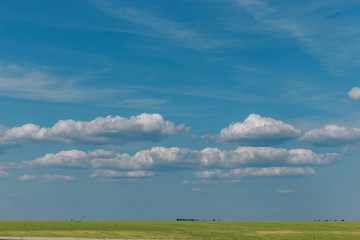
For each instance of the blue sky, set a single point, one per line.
(225, 109)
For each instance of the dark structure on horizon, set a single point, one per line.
(186, 219)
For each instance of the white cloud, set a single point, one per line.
(241, 162)
(162, 159)
(308, 157)
(71, 158)
(257, 156)
(354, 93)
(4, 143)
(155, 157)
(256, 172)
(331, 135)
(257, 130)
(108, 130)
(46, 178)
(100, 158)
(103, 173)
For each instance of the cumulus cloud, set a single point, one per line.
(308, 157)
(263, 156)
(71, 158)
(331, 135)
(108, 130)
(354, 93)
(256, 172)
(4, 143)
(241, 162)
(162, 159)
(159, 157)
(257, 130)
(46, 178)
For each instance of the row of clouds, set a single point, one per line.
(238, 163)
(261, 131)
(165, 158)
(255, 158)
(207, 176)
(255, 130)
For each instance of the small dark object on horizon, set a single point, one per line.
(186, 219)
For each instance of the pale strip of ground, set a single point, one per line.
(61, 238)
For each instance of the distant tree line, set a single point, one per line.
(342, 220)
(186, 219)
(192, 219)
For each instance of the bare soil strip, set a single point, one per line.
(60, 238)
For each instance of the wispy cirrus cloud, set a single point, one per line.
(317, 26)
(4, 174)
(156, 26)
(40, 84)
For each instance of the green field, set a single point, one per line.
(183, 230)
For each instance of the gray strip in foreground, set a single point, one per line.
(60, 238)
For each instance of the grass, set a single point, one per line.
(183, 230)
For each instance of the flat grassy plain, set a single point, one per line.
(183, 230)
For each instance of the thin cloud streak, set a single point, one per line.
(46, 178)
(163, 28)
(311, 25)
(37, 84)
(209, 93)
(256, 172)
